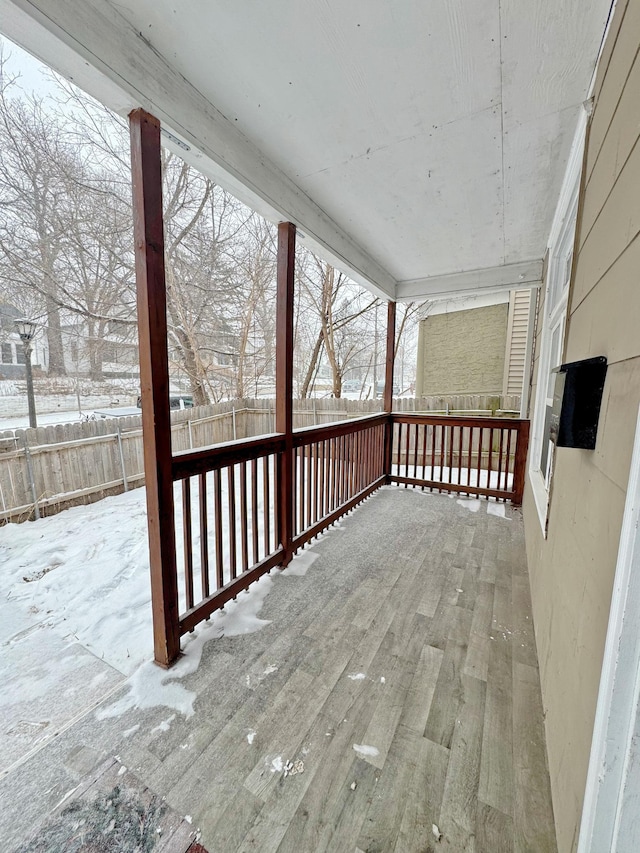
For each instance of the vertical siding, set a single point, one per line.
(572, 570)
(516, 341)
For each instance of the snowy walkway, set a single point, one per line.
(385, 683)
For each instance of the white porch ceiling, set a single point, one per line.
(411, 141)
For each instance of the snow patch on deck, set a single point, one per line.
(300, 565)
(364, 750)
(472, 504)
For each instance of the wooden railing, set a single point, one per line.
(228, 508)
(234, 486)
(472, 456)
(335, 467)
(228, 512)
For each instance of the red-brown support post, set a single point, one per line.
(388, 386)
(520, 463)
(146, 173)
(284, 382)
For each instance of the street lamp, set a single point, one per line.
(27, 329)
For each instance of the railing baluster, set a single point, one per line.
(347, 468)
(432, 474)
(459, 455)
(365, 472)
(480, 448)
(316, 481)
(406, 436)
(353, 440)
(507, 454)
(489, 461)
(499, 478)
(188, 542)
(323, 460)
(266, 509)
(243, 516)
(254, 510)
(217, 498)
(300, 463)
(343, 470)
(309, 484)
(231, 507)
(204, 536)
(294, 490)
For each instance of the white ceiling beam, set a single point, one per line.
(472, 282)
(92, 44)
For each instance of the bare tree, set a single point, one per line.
(34, 169)
(337, 306)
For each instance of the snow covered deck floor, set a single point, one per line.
(396, 679)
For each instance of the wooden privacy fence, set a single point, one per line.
(231, 501)
(50, 468)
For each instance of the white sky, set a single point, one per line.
(33, 74)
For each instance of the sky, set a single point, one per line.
(33, 74)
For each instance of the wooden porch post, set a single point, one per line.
(146, 174)
(520, 463)
(284, 382)
(388, 385)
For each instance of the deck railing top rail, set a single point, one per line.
(305, 435)
(190, 462)
(458, 420)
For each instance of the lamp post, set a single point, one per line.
(27, 329)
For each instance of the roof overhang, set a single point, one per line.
(418, 147)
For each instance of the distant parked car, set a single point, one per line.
(351, 385)
(176, 401)
(380, 389)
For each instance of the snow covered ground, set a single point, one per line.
(51, 412)
(75, 621)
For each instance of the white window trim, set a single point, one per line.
(560, 241)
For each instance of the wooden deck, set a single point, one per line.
(398, 676)
(430, 602)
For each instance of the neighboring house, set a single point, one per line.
(11, 347)
(112, 354)
(475, 345)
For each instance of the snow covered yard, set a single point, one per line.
(75, 621)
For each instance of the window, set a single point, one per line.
(553, 320)
(6, 356)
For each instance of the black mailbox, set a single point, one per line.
(579, 402)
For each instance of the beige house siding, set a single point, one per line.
(572, 570)
(462, 352)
